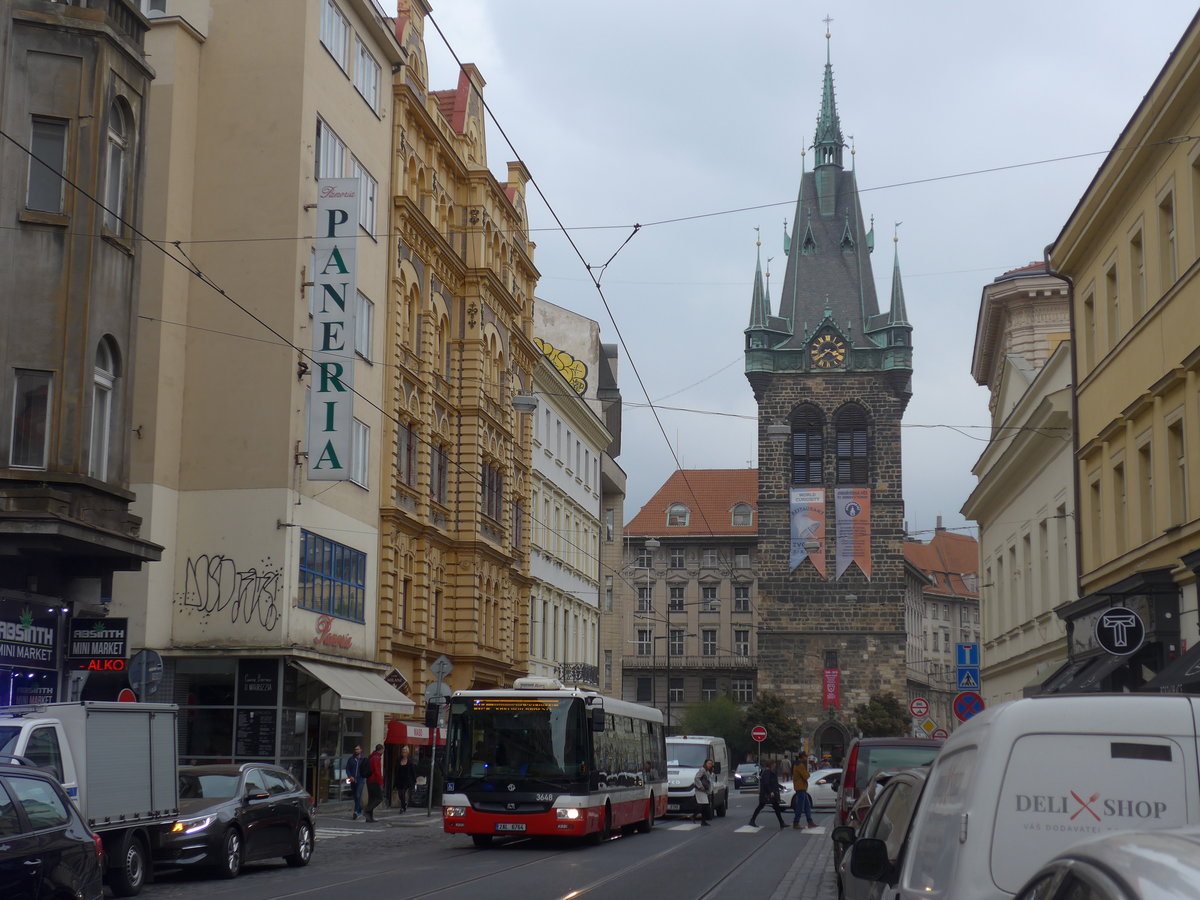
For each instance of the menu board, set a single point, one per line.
(255, 733)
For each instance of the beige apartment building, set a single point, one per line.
(1131, 250)
(1024, 501)
(262, 613)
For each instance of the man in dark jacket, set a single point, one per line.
(768, 792)
(357, 767)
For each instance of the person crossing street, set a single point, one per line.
(768, 793)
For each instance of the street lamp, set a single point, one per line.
(650, 546)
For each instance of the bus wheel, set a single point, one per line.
(647, 823)
(482, 840)
(605, 832)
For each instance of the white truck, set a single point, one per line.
(118, 761)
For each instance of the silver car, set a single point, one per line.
(1123, 865)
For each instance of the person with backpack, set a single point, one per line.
(703, 785)
(768, 793)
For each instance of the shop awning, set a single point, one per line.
(413, 734)
(1088, 679)
(1180, 676)
(359, 689)
(1065, 674)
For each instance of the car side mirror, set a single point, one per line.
(843, 835)
(869, 860)
(257, 795)
(597, 718)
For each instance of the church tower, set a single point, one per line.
(832, 376)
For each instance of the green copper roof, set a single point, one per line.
(828, 140)
(760, 303)
(899, 315)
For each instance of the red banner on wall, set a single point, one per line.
(833, 689)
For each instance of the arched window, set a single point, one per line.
(104, 377)
(851, 425)
(743, 515)
(808, 446)
(116, 166)
(678, 515)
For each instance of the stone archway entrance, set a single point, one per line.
(830, 743)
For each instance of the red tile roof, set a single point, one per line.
(709, 495)
(951, 559)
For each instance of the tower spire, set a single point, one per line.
(760, 303)
(828, 142)
(899, 314)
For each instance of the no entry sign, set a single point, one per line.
(759, 733)
(919, 707)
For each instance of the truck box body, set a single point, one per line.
(120, 760)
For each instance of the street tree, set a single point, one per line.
(720, 717)
(770, 710)
(882, 716)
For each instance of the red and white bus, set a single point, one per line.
(541, 759)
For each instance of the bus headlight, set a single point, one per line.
(454, 812)
(568, 813)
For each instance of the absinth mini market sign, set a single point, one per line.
(335, 287)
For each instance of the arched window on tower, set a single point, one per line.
(104, 376)
(852, 458)
(808, 446)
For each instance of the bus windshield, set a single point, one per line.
(537, 738)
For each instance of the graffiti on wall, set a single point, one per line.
(214, 585)
(572, 369)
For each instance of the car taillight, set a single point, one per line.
(99, 847)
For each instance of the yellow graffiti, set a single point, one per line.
(568, 366)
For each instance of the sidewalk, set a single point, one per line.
(334, 810)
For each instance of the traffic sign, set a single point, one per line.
(919, 707)
(967, 704)
(928, 726)
(759, 733)
(126, 696)
(940, 734)
(441, 667)
(437, 692)
(968, 654)
(968, 678)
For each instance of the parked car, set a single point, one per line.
(823, 787)
(234, 814)
(1125, 865)
(746, 776)
(867, 756)
(46, 849)
(872, 856)
(860, 809)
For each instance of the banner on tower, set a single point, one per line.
(831, 695)
(807, 508)
(853, 518)
(335, 294)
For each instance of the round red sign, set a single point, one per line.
(919, 707)
(940, 734)
(759, 733)
(126, 696)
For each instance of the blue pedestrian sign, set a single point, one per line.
(968, 678)
(968, 654)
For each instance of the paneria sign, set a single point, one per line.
(335, 287)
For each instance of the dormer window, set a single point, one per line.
(743, 515)
(678, 515)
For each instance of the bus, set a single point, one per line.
(542, 759)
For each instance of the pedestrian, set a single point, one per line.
(703, 785)
(374, 782)
(356, 776)
(406, 777)
(768, 792)
(802, 802)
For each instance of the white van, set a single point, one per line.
(1026, 780)
(686, 754)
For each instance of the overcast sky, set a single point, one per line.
(640, 111)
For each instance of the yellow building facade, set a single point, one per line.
(1132, 250)
(455, 516)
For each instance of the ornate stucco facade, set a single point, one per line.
(455, 527)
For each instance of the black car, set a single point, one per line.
(234, 814)
(46, 849)
(746, 776)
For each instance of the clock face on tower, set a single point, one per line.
(828, 352)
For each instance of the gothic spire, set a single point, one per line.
(899, 315)
(760, 303)
(828, 142)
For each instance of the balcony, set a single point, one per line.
(579, 673)
(724, 661)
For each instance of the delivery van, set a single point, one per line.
(1023, 781)
(686, 754)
